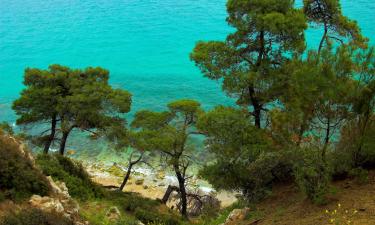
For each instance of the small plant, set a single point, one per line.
(340, 216)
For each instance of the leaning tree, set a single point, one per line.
(168, 133)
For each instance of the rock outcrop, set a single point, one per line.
(236, 216)
(59, 201)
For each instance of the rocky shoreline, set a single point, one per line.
(149, 183)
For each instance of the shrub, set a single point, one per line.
(255, 179)
(72, 173)
(34, 217)
(150, 217)
(19, 179)
(361, 175)
(312, 175)
(355, 149)
(130, 201)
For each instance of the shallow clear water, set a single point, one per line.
(144, 43)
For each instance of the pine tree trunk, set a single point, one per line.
(257, 115)
(126, 177)
(168, 193)
(51, 136)
(182, 190)
(326, 140)
(323, 38)
(63, 142)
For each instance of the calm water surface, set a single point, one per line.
(144, 43)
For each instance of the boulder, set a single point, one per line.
(59, 201)
(46, 204)
(59, 188)
(160, 175)
(139, 181)
(236, 216)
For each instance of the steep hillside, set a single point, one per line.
(350, 203)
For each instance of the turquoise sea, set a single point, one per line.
(144, 43)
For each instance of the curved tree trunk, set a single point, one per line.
(182, 190)
(63, 142)
(131, 164)
(362, 136)
(168, 193)
(51, 136)
(326, 140)
(323, 38)
(126, 177)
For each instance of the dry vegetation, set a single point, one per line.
(287, 206)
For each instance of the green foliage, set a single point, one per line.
(168, 133)
(72, 99)
(313, 175)
(133, 208)
(298, 100)
(19, 179)
(5, 127)
(33, 216)
(72, 173)
(149, 217)
(328, 14)
(130, 202)
(360, 174)
(244, 157)
(249, 60)
(222, 214)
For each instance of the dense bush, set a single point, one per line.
(254, 180)
(72, 173)
(361, 175)
(144, 209)
(313, 175)
(18, 177)
(34, 217)
(130, 202)
(151, 217)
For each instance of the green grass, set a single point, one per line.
(132, 208)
